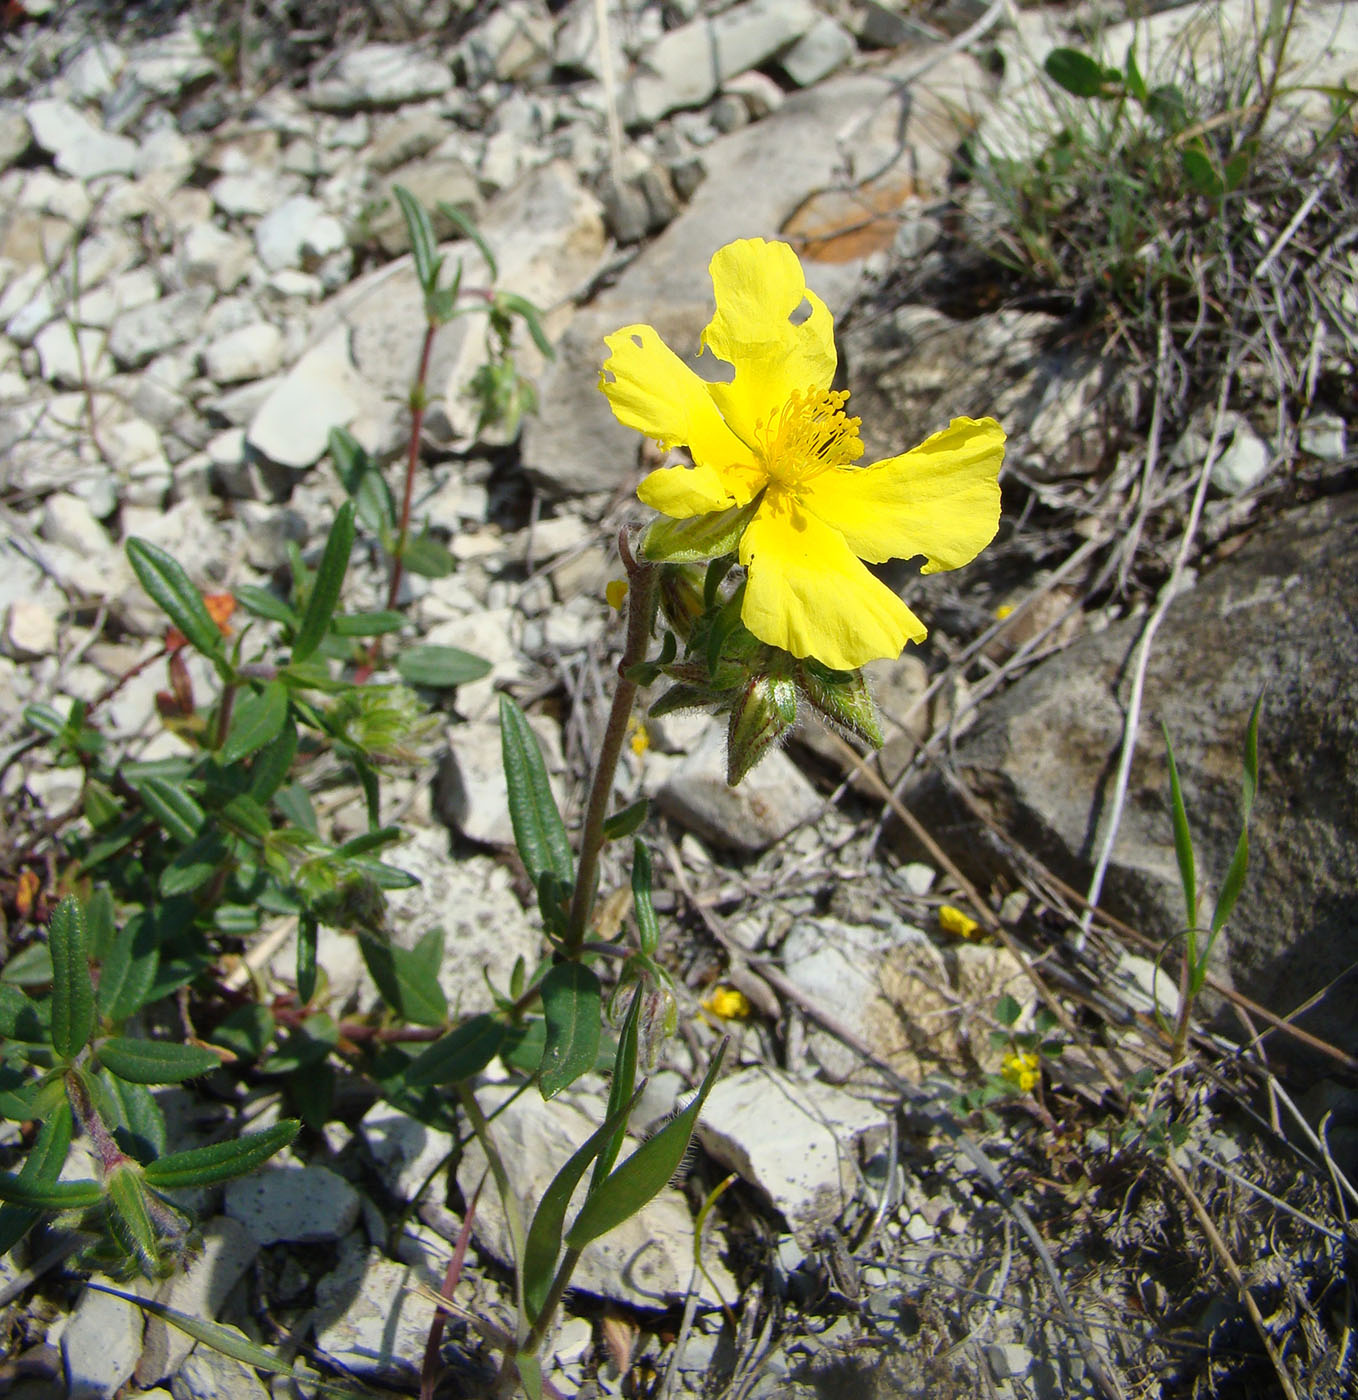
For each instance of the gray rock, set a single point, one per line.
(213, 257)
(68, 520)
(646, 1261)
(513, 43)
(772, 800)
(797, 1141)
(1277, 617)
(30, 630)
(78, 146)
(369, 1320)
(139, 335)
(1244, 462)
(101, 1343)
(170, 62)
(471, 795)
(298, 228)
(211, 1375)
(380, 75)
(404, 1150)
(301, 1205)
(826, 46)
(250, 352)
(245, 193)
(441, 178)
(322, 391)
(1324, 435)
(70, 358)
(687, 65)
(15, 137)
(405, 137)
(199, 1290)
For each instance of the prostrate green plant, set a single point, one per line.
(67, 1067)
(1021, 1071)
(1199, 941)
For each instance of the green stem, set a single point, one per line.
(419, 401)
(643, 590)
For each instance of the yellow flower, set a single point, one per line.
(728, 1003)
(615, 591)
(1020, 1069)
(640, 740)
(952, 920)
(775, 439)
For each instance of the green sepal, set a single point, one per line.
(761, 718)
(696, 539)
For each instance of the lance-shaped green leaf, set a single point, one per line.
(203, 1166)
(308, 933)
(529, 1367)
(162, 577)
(139, 1116)
(156, 1061)
(424, 555)
(648, 926)
(621, 1088)
(325, 588)
(571, 1003)
(461, 1053)
(439, 667)
(1240, 861)
(364, 481)
(367, 624)
(130, 969)
(173, 806)
(407, 977)
(543, 1242)
(129, 1220)
(468, 229)
(41, 1167)
(532, 318)
(231, 1342)
(49, 1195)
(624, 823)
(644, 1174)
(539, 832)
(266, 605)
(72, 986)
(269, 771)
(423, 245)
(100, 922)
(256, 720)
(1183, 840)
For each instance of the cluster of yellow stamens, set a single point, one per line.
(809, 434)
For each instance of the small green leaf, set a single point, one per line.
(543, 1242)
(423, 245)
(100, 922)
(129, 970)
(644, 1174)
(72, 986)
(140, 1123)
(269, 771)
(1183, 839)
(363, 480)
(624, 823)
(194, 866)
(129, 1219)
(265, 604)
(648, 926)
(468, 229)
(571, 1004)
(523, 1046)
(30, 968)
(1007, 1010)
(439, 667)
(258, 718)
(1202, 171)
(622, 1086)
(532, 318)
(203, 1166)
(247, 1032)
(170, 587)
(539, 832)
(176, 809)
(461, 1053)
(49, 1195)
(366, 624)
(41, 1167)
(155, 1061)
(325, 587)
(308, 931)
(1168, 106)
(18, 1015)
(403, 978)
(243, 816)
(1079, 74)
(1136, 84)
(424, 555)
(529, 1367)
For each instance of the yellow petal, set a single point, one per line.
(651, 389)
(809, 594)
(761, 330)
(941, 499)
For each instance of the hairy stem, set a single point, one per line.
(643, 590)
(419, 401)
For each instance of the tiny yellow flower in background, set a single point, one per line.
(954, 921)
(727, 1003)
(775, 439)
(1004, 610)
(615, 591)
(640, 740)
(1021, 1070)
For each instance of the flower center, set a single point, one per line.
(808, 435)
